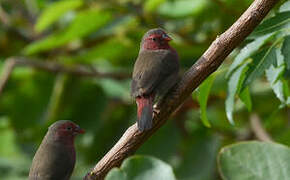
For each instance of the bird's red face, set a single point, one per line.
(156, 41)
(69, 129)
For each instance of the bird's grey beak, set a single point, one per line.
(79, 130)
(166, 37)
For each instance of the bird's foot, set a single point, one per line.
(156, 109)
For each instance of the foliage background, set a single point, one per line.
(106, 35)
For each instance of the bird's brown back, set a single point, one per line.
(151, 68)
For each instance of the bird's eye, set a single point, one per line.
(69, 128)
(154, 39)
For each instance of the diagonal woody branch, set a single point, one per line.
(132, 139)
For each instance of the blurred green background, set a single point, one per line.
(105, 35)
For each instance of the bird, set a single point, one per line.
(55, 157)
(155, 72)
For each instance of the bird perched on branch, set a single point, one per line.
(55, 157)
(155, 72)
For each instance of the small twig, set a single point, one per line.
(78, 70)
(258, 129)
(55, 98)
(54, 67)
(5, 75)
(4, 17)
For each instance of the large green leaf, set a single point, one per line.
(286, 51)
(246, 98)
(85, 23)
(202, 96)
(111, 50)
(182, 8)
(234, 85)
(7, 138)
(254, 161)
(54, 11)
(272, 74)
(116, 174)
(261, 62)
(285, 7)
(279, 21)
(249, 50)
(152, 5)
(142, 168)
(115, 89)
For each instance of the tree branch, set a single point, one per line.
(5, 75)
(132, 139)
(54, 67)
(4, 17)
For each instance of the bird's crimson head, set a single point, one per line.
(65, 129)
(155, 39)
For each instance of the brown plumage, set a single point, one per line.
(155, 72)
(55, 157)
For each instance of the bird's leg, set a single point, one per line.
(156, 108)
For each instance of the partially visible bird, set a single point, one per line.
(155, 72)
(55, 157)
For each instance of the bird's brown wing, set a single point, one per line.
(151, 68)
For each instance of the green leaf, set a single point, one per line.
(246, 98)
(198, 156)
(286, 51)
(203, 93)
(85, 23)
(116, 174)
(248, 51)
(279, 21)
(8, 139)
(280, 57)
(234, 84)
(152, 5)
(261, 62)
(285, 7)
(182, 8)
(112, 50)
(275, 72)
(54, 11)
(272, 75)
(142, 168)
(115, 89)
(254, 161)
(286, 89)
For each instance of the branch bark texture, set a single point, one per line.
(132, 139)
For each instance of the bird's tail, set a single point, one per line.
(144, 113)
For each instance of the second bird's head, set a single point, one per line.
(155, 39)
(65, 130)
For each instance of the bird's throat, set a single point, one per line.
(155, 46)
